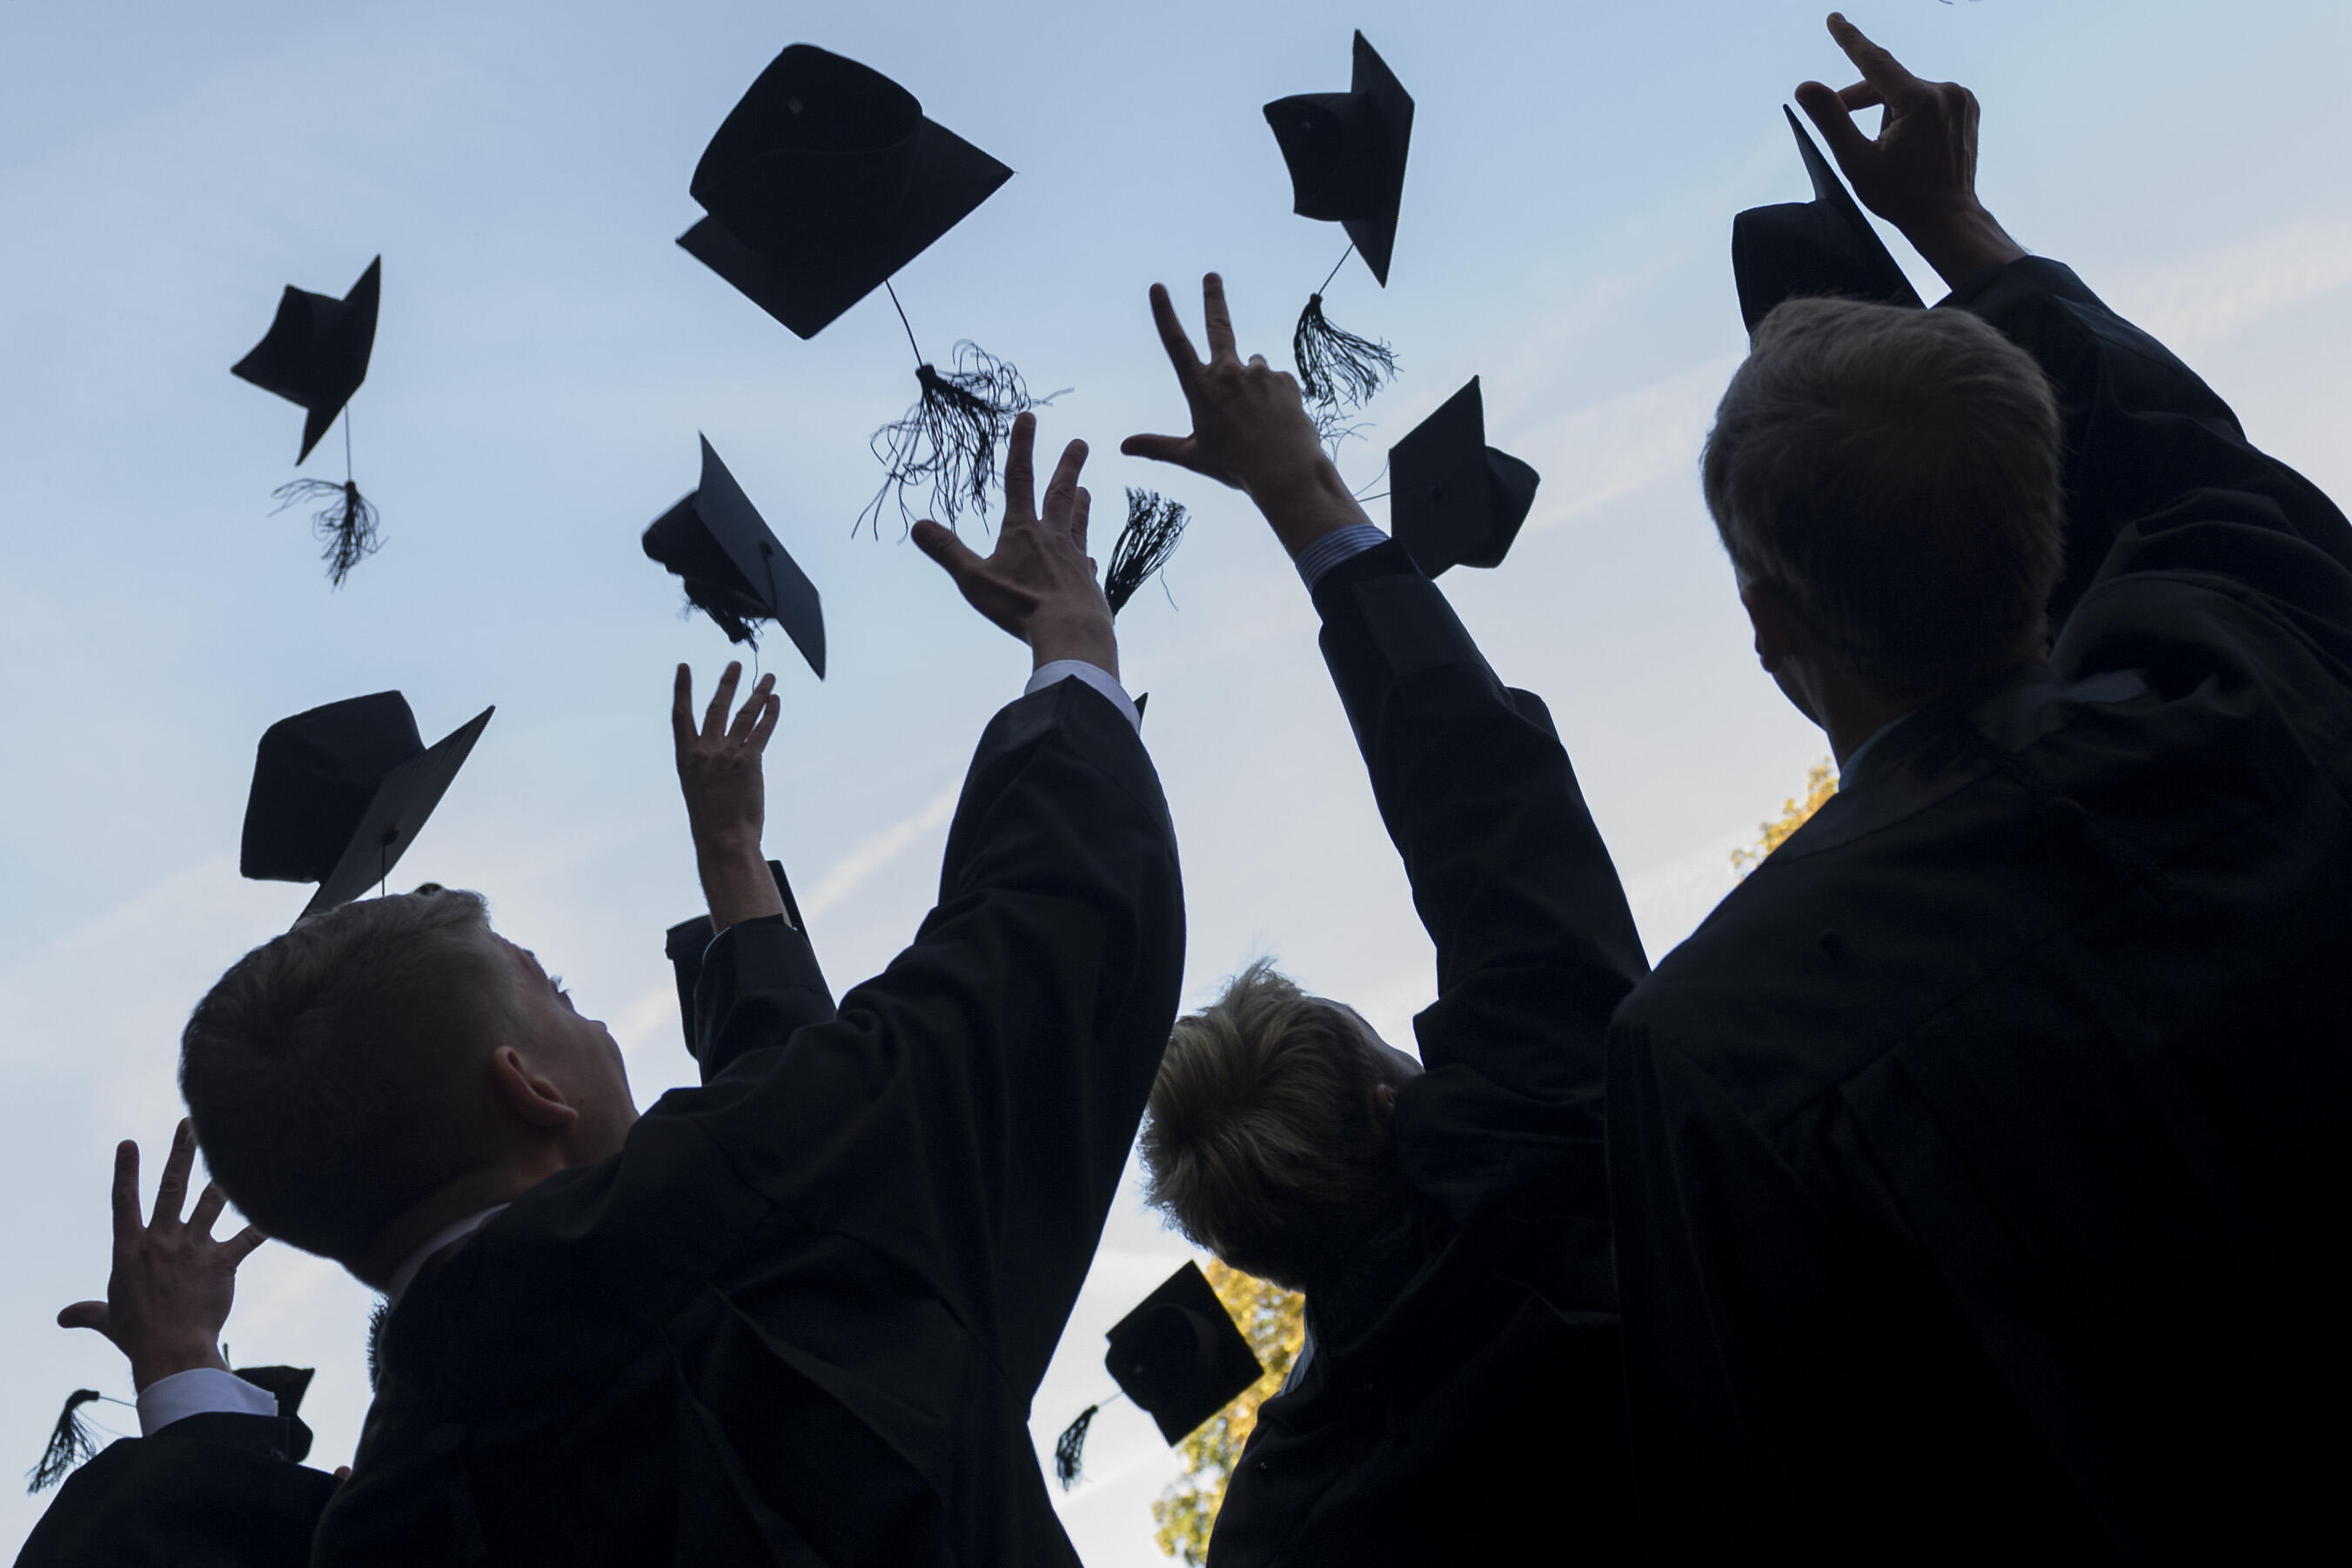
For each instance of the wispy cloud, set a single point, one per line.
(875, 851)
(1607, 450)
(2199, 302)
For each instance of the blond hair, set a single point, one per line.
(1261, 1143)
(1894, 475)
(329, 1073)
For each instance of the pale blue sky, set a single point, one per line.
(547, 356)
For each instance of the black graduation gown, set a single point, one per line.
(799, 1318)
(212, 1488)
(1464, 1397)
(1980, 1165)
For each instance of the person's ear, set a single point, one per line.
(530, 1098)
(1776, 629)
(1384, 1105)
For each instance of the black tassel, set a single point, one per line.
(949, 438)
(376, 1319)
(1066, 1446)
(344, 525)
(1154, 524)
(1336, 369)
(69, 1444)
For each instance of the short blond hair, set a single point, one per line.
(1260, 1142)
(1894, 475)
(330, 1072)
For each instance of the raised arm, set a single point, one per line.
(1535, 944)
(2146, 436)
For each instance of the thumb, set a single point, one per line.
(957, 558)
(87, 1315)
(1828, 113)
(1176, 449)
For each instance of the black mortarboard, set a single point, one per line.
(688, 940)
(1453, 501)
(736, 572)
(1799, 249)
(823, 182)
(286, 1384)
(340, 792)
(1346, 152)
(1179, 1356)
(315, 352)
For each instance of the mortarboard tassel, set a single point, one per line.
(382, 1313)
(949, 437)
(1066, 1448)
(1154, 524)
(344, 525)
(1336, 369)
(70, 1444)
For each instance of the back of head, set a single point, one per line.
(333, 1073)
(1893, 475)
(1262, 1144)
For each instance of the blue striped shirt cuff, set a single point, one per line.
(1339, 544)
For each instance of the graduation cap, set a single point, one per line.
(316, 354)
(1453, 501)
(1178, 1356)
(340, 792)
(1346, 152)
(1826, 246)
(286, 1384)
(822, 183)
(735, 569)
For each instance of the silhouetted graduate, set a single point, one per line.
(316, 354)
(824, 182)
(1346, 153)
(340, 792)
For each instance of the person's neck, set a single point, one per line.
(469, 1195)
(1851, 723)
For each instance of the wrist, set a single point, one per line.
(1960, 241)
(152, 1364)
(1303, 505)
(1088, 642)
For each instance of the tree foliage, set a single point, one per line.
(1273, 1320)
(1821, 783)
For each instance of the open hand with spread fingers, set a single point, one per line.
(1250, 428)
(1919, 172)
(718, 772)
(1039, 582)
(171, 1284)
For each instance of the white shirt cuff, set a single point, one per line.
(1101, 679)
(1339, 544)
(203, 1391)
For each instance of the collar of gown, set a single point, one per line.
(447, 1237)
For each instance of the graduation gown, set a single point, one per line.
(1980, 1165)
(1464, 1395)
(799, 1318)
(212, 1488)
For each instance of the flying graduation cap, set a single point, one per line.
(1799, 249)
(340, 792)
(1178, 1356)
(735, 569)
(316, 354)
(824, 181)
(1453, 501)
(1346, 152)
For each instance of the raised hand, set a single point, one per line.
(1919, 172)
(171, 1284)
(1039, 582)
(719, 772)
(1250, 428)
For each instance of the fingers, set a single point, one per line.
(681, 708)
(87, 1315)
(714, 717)
(1172, 336)
(753, 706)
(767, 724)
(1878, 68)
(243, 1244)
(209, 1204)
(1220, 319)
(952, 554)
(171, 1191)
(1827, 113)
(1177, 449)
(1020, 472)
(1078, 515)
(1061, 491)
(126, 1194)
(1860, 95)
